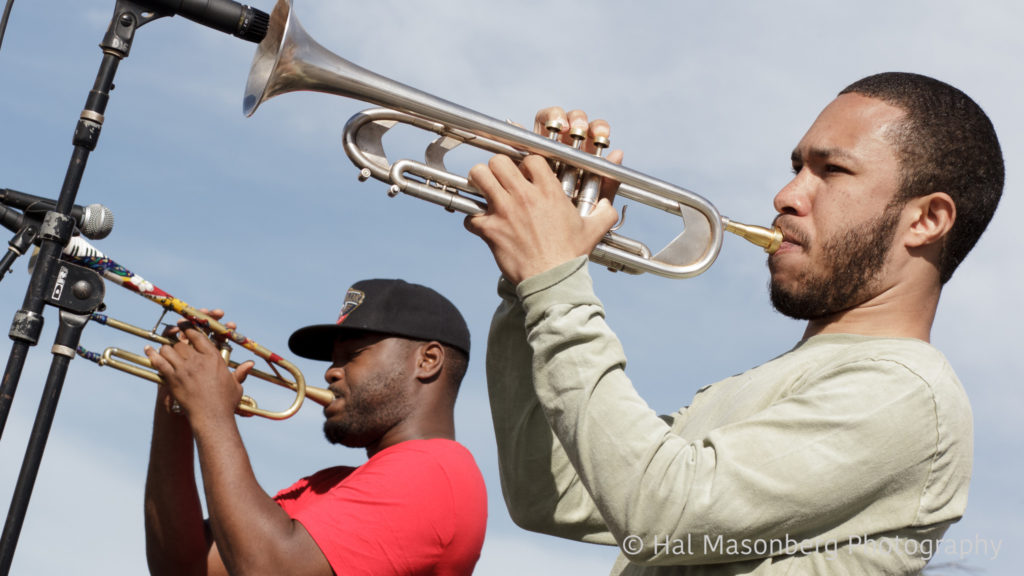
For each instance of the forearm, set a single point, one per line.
(605, 429)
(252, 533)
(176, 541)
(540, 486)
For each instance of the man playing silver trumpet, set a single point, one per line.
(848, 454)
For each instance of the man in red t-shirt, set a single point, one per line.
(398, 352)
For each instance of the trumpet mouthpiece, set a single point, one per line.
(768, 238)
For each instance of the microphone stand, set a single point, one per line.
(70, 288)
(17, 246)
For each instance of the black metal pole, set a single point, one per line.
(58, 226)
(79, 291)
(54, 235)
(19, 244)
(227, 16)
(68, 335)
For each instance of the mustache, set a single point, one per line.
(790, 231)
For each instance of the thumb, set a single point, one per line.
(600, 220)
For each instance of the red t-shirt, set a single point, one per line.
(418, 507)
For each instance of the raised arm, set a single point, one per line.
(541, 488)
(176, 539)
(251, 534)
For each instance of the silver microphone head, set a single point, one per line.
(97, 221)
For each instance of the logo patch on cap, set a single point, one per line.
(353, 298)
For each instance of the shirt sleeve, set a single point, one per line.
(541, 489)
(806, 467)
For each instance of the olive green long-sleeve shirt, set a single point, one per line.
(846, 455)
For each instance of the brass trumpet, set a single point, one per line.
(82, 253)
(289, 60)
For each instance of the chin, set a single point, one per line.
(784, 283)
(343, 434)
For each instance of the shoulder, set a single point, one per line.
(413, 507)
(902, 370)
(851, 373)
(838, 361)
(913, 362)
(449, 488)
(910, 352)
(908, 357)
(443, 468)
(445, 474)
(318, 482)
(437, 456)
(933, 412)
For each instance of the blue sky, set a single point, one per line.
(264, 216)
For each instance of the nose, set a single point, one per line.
(795, 197)
(333, 374)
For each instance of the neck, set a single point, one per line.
(898, 312)
(415, 429)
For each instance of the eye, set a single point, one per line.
(355, 353)
(797, 168)
(837, 169)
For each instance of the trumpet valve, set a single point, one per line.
(225, 351)
(578, 136)
(554, 128)
(590, 188)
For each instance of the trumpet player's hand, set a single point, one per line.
(177, 333)
(198, 378)
(530, 224)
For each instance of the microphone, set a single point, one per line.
(225, 15)
(14, 220)
(93, 221)
(76, 248)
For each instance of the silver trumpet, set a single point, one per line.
(288, 60)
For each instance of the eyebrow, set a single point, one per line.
(823, 154)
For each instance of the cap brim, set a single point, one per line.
(317, 342)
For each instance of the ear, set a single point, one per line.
(932, 218)
(429, 361)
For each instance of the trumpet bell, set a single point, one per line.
(268, 53)
(289, 60)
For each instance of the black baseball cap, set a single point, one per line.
(385, 306)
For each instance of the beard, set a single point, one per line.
(372, 408)
(854, 258)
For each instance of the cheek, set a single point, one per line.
(376, 387)
(836, 219)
